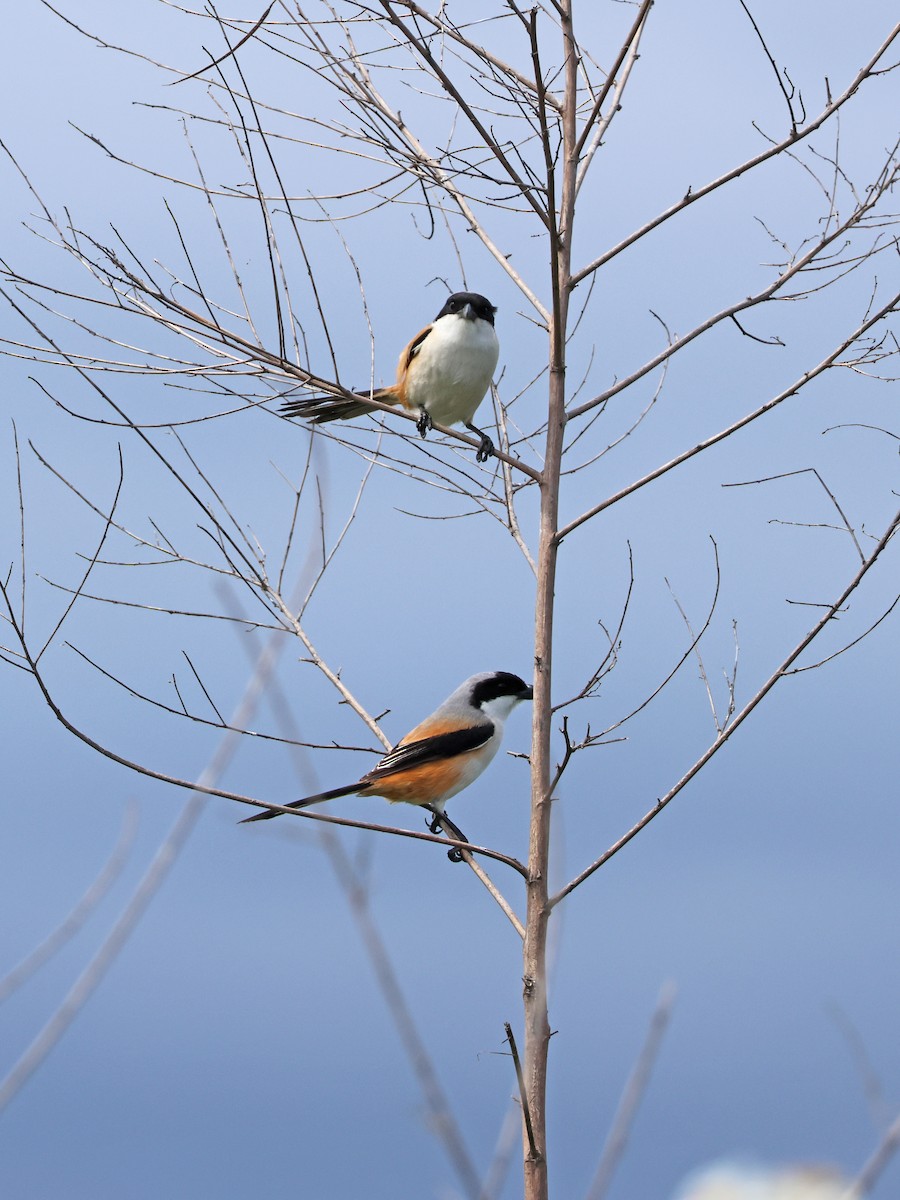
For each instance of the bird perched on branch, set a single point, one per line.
(443, 754)
(442, 375)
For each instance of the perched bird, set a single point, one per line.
(442, 374)
(443, 754)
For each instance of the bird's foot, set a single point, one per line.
(423, 424)
(486, 449)
(440, 824)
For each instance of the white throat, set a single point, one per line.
(454, 369)
(498, 710)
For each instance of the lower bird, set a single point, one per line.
(443, 754)
(442, 375)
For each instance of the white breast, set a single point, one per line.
(472, 764)
(453, 369)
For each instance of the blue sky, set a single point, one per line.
(240, 1043)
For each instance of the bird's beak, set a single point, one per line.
(468, 313)
(528, 694)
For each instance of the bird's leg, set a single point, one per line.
(486, 449)
(423, 424)
(440, 822)
(434, 825)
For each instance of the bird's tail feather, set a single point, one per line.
(266, 813)
(320, 409)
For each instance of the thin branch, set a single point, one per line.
(451, 843)
(441, 23)
(701, 667)
(523, 1093)
(421, 49)
(459, 854)
(788, 96)
(830, 494)
(92, 562)
(228, 54)
(627, 56)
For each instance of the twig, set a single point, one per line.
(830, 494)
(523, 1094)
(92, 562)
(228, 54)
(458, 854)
(788, 97)
(626, 57)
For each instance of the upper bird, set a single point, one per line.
(444, 753)
(442, 375)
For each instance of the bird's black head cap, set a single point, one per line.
(499, 683)
(481, 306)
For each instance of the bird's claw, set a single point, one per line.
(486, 446)
(423, 424)
(485, 450)
(438, 825)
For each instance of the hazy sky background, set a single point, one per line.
(240, 1045)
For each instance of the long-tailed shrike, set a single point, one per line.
(443, 374)
(443, 754)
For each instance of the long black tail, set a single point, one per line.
(266, 814)
(319, 409)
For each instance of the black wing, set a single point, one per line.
(442, 745)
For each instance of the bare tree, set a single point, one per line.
(498, 141)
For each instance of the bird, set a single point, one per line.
(442, 374)
(443, 754)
